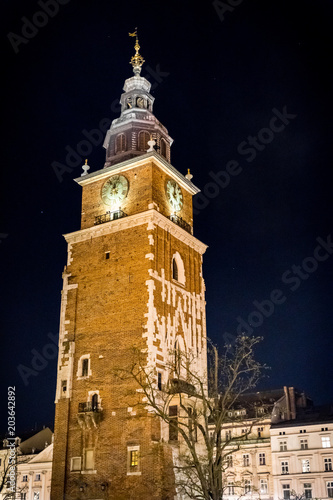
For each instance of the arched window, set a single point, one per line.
(144, 137)
(163, 147)
(94, 402)
(174, 269)
(85, 367)
(120, 143)
(178, 270)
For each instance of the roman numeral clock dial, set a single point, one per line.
(114, 190)
(174, 195)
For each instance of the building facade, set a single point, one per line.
(302, 455)
(133, 281)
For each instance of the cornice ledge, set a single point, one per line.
(151, 216)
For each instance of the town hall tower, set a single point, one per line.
(133, 279)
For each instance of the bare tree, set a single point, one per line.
(194, 408)
(6, 493)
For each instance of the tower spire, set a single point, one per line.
(137, 60)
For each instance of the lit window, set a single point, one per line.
(263, 486)
(231, 489)
(247, 486)
(286, 491)
(329, 487)
(304, 444)
(134, 461)
(260, 430)
(284, 467)
(325, 442)
(25, 478)
(307, 490)
(246, 460)
(283, 445)
(133, 453)
(328, 464)
(76, 463)
(37, 477)
(262, 459)
(305, 465)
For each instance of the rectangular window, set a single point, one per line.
(173, 423)
(76, 463)
(63, 387)
(262, 459)
(247, 486)
(89, 460)
(285, 467)
(36, 495)
(328, 464)
(260, 430)
(159, 381)
(283, 445)
(231, 489)
(246, 460)
(227, 435)
(107, 255)
(325, 442)
(25, 478)
(307, 490)
(133, 461)
(229, 461)
(23, 496)
(286, 491)
(192, 424)
(85, 367)
(304, 444)
(37, 477)
(329, 487)
(263, 486)
(305, 465)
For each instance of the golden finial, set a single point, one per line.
(189, 176)
(137, 60)
(86, 162)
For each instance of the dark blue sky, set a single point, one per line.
(219, 80)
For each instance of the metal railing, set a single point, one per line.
(89, 406)
(109, 216)
(181, 223)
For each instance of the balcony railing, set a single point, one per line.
(89, 406)
(118, 214)
(181, 223)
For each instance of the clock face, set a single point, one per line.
(174, 195)
(115, 190)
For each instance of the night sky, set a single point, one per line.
(243, 87)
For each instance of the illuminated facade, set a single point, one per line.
(133, 278)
